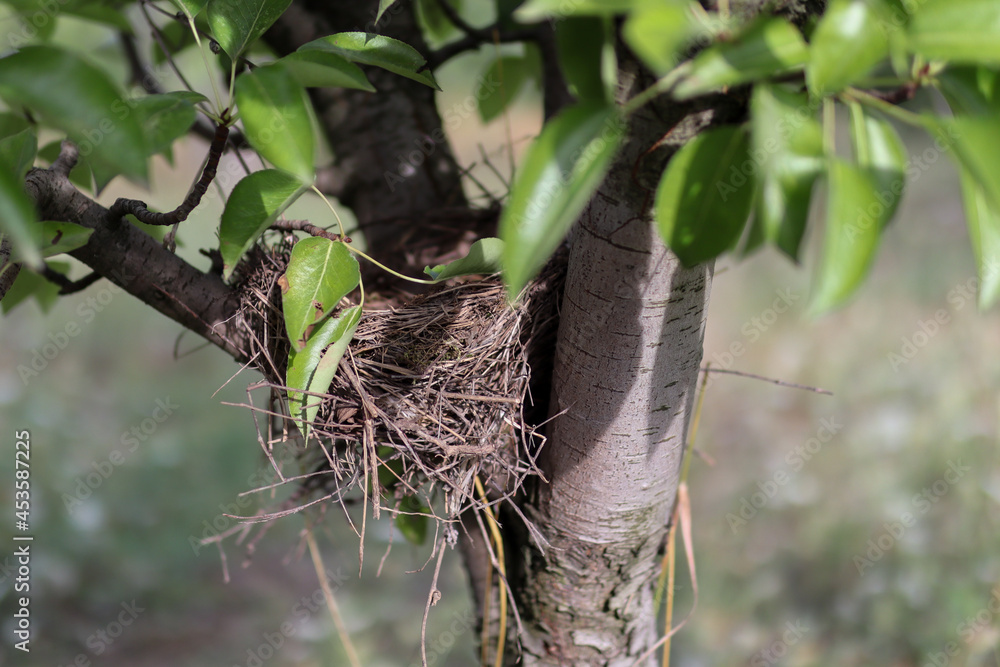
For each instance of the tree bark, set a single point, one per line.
(626, 369)
(392, 164)
(624, 380)
(140, 265)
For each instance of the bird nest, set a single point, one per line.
(431, 396)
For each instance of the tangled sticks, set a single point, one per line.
(138, 208)
(438, 390)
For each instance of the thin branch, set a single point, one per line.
(161, 42)
(432, 599)
(137, 263)
(331, 601)
(782, 383)
(138, 208)
(904, 93)
(473, 41)
(308, 228)
(138, 74)
(456, 20)
(67, 286)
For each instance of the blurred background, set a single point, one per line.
(854, 529)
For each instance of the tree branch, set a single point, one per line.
(67, 286)
(473, 41)
(137, 263)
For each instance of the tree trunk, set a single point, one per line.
(393, 165)
(626, 370)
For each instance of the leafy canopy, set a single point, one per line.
(734, 188)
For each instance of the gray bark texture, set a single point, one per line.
(623, 384)
(624, 379)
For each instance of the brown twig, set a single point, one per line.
(432, 599)
(308, 228)
(138, 208)
(67, 286)
(904, 93)
(782, 383)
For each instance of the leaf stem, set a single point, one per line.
(232, 79)
(902, 115)
(662, 85)
(326, 201)
(204, 58)
(829, 127)
(387, 269)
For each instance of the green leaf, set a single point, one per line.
(238, 23)
(503, 80)
(768, 47)
(983, 218)
(382, 6)
(974, 140)
(485, 257)
(705, 194)
(585, 45)
(788, 144)
(100, 12)
(276, 118)
(60, 237)
(657, 31)
(165, 118)
(370, 49)
(847, 43)
(17, 216)
(312, 369)
(434, 21)
(320, 273)
(560, 172)
(537, 10)
(971, 90)
(254, 204)
(19, 151)
(40, 16)
(957, 30)
(879, 149)
(854, 218)
(12, 123)
(79, 99)
(30, 284)
(321, 69)
(190, 7)
(413, 525)
(781, 214)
